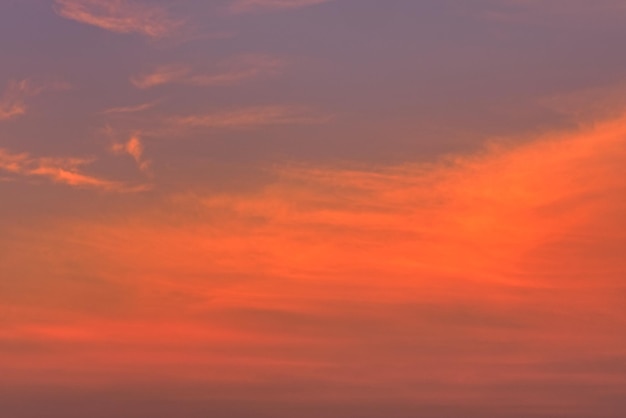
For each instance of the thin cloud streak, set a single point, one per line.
(252, 117)
(58, 170)
(229, 72)
(132, 109)
(162, 75)
(244, 6)
(120, 16)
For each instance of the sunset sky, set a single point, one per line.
(312, 208)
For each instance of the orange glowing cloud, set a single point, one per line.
(59, 170)
(502, 267)
(120, 16)
(135, 149)
(477, 216)
(232, 71)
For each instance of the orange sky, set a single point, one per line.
(233, 233)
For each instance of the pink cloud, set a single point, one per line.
(120, 16)
(134, 148)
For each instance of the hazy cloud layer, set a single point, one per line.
(478, 271)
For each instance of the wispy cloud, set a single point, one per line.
(162, 75)
(242, 6)
(58, 170)
(132, 109)
(232, 71)
(13, 100)
(253, 117)
(120, 16)
(133, 147)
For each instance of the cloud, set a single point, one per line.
(134, 148)
(252, 117)
(497, 275)
(486, 212)
(13, 100)
(132, 109)
(120, 16)
(229, 72)
(243, 6)
(58, 170)
(162, 75)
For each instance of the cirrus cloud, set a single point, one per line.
(228, 72)
(120, 16)
(243, 6)
(66, 171)
(252, 117)
(13, 100)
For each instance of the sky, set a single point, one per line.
(312, 208)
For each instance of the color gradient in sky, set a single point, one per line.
(312, 208)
